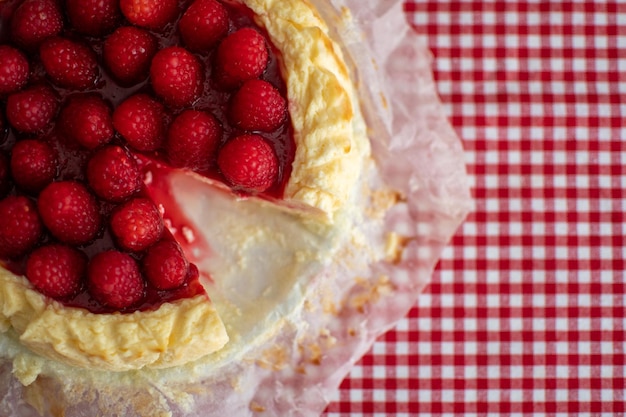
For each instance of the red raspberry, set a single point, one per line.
(87, 120)
(165, 265)
(137, 224)
(192, 139)
(141, 121)
(14, 70)
(93, 17)
(20, 226)
(114, 279)
(241, 56)
(35, 20)
(113, 174)
(128, 53)
(5, 179)
(70, 212)
(69, 64)
(176, 76)
(249, 163)
(150, 14)
(203, 24)
(33, 164)
(31, 110)
(57, 271)
(258, 105)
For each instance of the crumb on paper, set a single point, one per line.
(315, 354)
(375, 65)
(346, 14)
(256, 407)
(394, 247)
(383, 100)
(274, 358)
(370, 292)
(326, 303)
(381, 201)
(329, 306)
(312, 349)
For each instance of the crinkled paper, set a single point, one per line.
(351, 303)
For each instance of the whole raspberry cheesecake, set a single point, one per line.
(110, 111)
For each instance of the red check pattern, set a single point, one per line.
(527, 308)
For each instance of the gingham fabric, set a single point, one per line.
(526, 310)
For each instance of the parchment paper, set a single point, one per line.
(349, 304)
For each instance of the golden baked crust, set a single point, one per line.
(330, 149)
(330, 145)
(174, 334)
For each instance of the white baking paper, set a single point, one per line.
(351, 303)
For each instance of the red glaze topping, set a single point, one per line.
(100, 92)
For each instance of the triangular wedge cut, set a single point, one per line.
(256, 255)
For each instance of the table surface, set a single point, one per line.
(526, 309)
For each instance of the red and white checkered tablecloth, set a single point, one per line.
(526, 312)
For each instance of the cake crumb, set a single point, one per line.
(381, 201)
(371, 292)
(394, 247)
(256, 407)
(274, 358)
(315, 354)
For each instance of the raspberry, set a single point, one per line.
(241, 56)
(31, 110)
(137, 224)
(165, 265)
(258, 105)
(20, 226)
(192, 139)
(70, 212)
(87, 120)
(57, 271)
(141, 121)
(35, 20)
(69, 64)
(14, 70)
(114, 279)
(150, 14)
(113, 174)
(176, 76)
(5, 180)
(93, 17)
(33, 164)
(203, 24)
(249, 163)
(128, 52)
